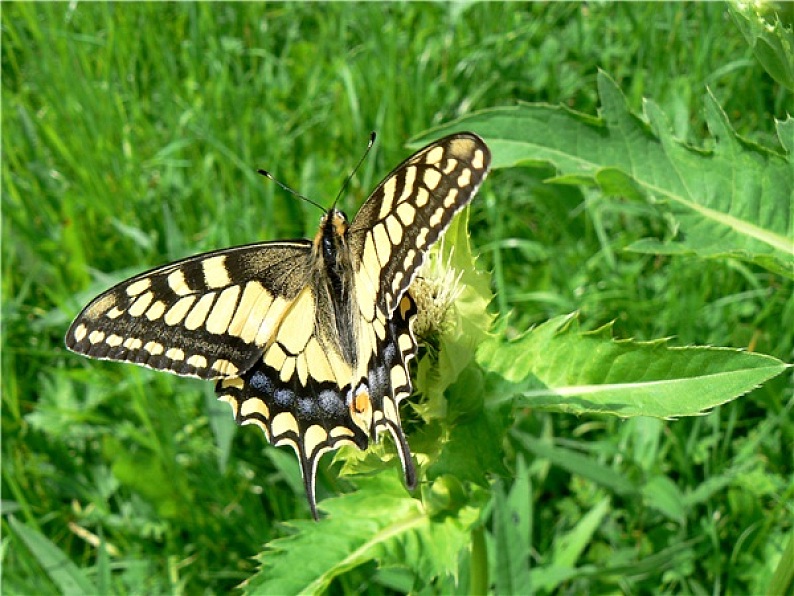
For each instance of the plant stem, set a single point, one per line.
(479, 562)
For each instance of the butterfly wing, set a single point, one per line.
(406, 214)
(208, 316)
(304, 399)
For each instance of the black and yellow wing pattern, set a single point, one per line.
(308, 339)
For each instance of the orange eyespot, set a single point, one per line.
(361, 402)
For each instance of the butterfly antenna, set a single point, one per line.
(267, 174)
(372, 136)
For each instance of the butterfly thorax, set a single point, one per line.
(334, 278)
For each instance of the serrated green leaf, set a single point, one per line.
(733, 200)
(59, 568)
(379, 522)
(555, 366)
(772, 44)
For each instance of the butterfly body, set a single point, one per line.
(309, 340)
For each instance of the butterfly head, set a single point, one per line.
(331, 237)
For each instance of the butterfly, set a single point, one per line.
(308, 339)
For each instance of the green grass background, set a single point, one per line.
(131, 134)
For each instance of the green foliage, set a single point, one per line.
(389, 527)
(733, 200)
(68, 578)
(623, 235)
(773, 45)
(555, 365)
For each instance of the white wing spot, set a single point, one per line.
(341, 431)
(199, 313)
(437, 217)
(464, 179)
(321, 368)
(178, 284)
(133, 343)
(382, 244)
(398, 376)
(406, 213)
(141, 304)
(395, 284)
(139, 286)
(479, 159)
(156, 310)
(315, 435)
(284, 423)
(421, 239)
(222, 312)
(154, 348)
(389, 190)
(175, 354)
(224, 367)
(254, 406)
(409, 259)
(410, 181)
(395, 230)
(435, 155)
(287, 370)
(432, 178)
(215, 273)
(451, 197)
(197, 361)
(380, 329)
(114, 340)
(178, 311)
(80, 332)
(302, 368)
(275, 357)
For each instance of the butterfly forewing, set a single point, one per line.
(207, 316)
(408, 212)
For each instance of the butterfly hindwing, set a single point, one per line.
(313, 415)
(207, 316)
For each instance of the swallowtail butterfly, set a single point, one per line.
(307, 339)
